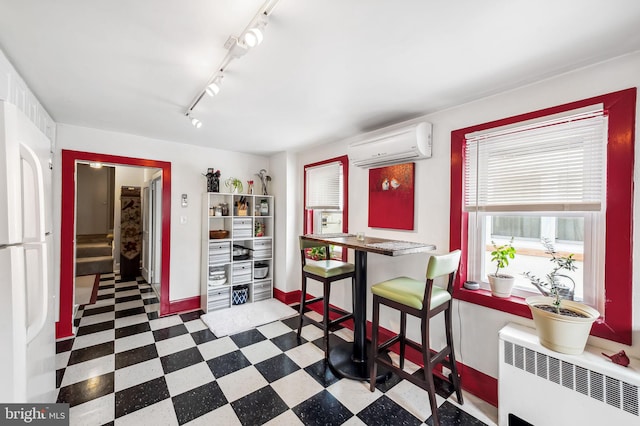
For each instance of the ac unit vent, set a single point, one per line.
(519, 357)
(554, 370)
(613, 392)
(531, 362)
(630, 398)
(582, 380)
(567, 375)
(508, 352)
(542, 365)
(597, 386)
(617, 393)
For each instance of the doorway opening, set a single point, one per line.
(152, 232)
(95, 196)
(64, 326)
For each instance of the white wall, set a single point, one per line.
(187, 165)
(476, 327)
(286, 192)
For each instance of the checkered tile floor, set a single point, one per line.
(127, 366)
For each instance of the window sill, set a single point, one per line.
(512, 305)
(517, 306)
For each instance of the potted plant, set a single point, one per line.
(234, 185)
(563, 325)
(501, 284)
(317, 253)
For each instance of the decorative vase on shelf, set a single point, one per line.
(213, 180)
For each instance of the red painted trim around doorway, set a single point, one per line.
(64, 326)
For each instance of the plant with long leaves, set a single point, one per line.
(551, 284)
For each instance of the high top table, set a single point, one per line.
(350, 360)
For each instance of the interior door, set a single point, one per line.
(146, 241)
(156, 223)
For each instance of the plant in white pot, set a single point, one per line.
(563, 325)
(502, 284)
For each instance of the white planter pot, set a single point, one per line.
(560, 333)
(501, 286)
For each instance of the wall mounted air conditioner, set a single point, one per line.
(392, 145)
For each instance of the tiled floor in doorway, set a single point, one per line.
(126, 366)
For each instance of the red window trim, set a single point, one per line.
(616, 323)
(308, 214)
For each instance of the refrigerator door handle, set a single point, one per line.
(32, 160)
(40, 318)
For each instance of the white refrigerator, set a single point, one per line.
(27, 312)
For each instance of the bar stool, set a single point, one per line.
(326, 271)
(407, 296)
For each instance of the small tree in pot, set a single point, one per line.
(502, 284)
(562, 324)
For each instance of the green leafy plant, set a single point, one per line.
(317, 253)
(233, 184)
(501, 255)
(551, 285)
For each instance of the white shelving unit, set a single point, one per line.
(243, 258)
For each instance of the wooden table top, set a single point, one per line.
(372, 244)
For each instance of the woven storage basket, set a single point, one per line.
(217, 234)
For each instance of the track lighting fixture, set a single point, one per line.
(196, 123)
(236, 47)
(255, 34)
(253, 37)
(214, 88)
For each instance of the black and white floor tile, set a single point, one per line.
(127, 366)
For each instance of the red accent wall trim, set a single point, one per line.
(287, 298)
(64, 327)
(184, 305)
(616, 321)
(308, 214)
(479, 384)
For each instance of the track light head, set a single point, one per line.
(253, 37)
(214, 87)
(195, 122)
(255, 34)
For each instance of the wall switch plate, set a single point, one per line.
(183, 220)
(184, 201)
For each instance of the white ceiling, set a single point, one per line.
(325, 71)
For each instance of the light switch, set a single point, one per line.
(183, 220)
(185, 202)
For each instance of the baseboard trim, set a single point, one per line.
(184, 305)
(287, 298)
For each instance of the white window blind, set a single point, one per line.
(324, 187)
(555, 165)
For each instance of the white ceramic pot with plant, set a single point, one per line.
(562, 325)
(502, 284)
(234, 185)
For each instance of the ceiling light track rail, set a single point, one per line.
(237, 47)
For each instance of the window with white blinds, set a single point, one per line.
(324, 187)
(554, 165)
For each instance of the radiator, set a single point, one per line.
(542, 387)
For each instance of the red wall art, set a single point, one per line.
(391, 199)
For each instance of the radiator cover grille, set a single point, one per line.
(608, 390)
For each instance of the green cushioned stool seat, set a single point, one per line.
(424, 300)
(410, 292)
(327, 271)
(328, 268)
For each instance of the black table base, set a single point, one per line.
(342, 363)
